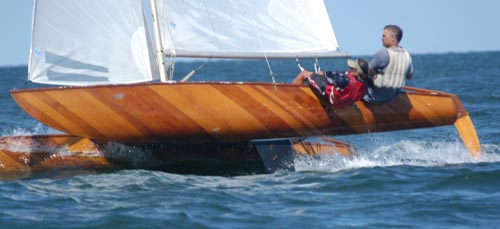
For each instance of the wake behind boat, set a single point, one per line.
(102, 54)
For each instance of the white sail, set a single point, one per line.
(247, 29)
(90, 42)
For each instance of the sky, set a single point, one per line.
(429, 26)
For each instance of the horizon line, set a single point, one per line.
(353, 55)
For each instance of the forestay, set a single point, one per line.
(247, 29)
(90, 42)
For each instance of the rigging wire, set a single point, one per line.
(171, 64)
(271, 73)
(298, 64)
(317, 68)
(194, 71)
(211, 24)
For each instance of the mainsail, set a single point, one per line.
(90, 42)
(247, 29)
(107, 41)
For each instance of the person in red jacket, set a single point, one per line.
(338, 89)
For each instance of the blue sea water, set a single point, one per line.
(407, 179)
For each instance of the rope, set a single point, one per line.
(171, 64)
(298, 64)
(211, 23)
(194, 71)
(317, 68)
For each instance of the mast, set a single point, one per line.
(159, 47)
(31, 40)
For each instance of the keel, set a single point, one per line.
(276, 154)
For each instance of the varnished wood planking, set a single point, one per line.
(70, 113)
(270, 110)
(410, 110)
(309, 106)
(221, 112)
(263, 110)
(90, 108)
(123, 104)
(37, 108)
(287, 101)
(155, 112)
(432, 112)
(213, 111)
(328, 147)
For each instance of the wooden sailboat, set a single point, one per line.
(105, 65)
(234, 112)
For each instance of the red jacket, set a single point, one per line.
(350, 94)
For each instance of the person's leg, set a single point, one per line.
(380, 95)
(369, 97)
(301, 77)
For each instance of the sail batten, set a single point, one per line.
(247, 29)
(92, 42)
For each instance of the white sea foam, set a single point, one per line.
(38, 129)
(412, 153)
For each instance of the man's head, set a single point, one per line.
(392, 36)
(360, 66)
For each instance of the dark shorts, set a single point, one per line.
(380, 95)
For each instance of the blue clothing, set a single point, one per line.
(380, 94)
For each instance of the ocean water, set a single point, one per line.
(408, 179)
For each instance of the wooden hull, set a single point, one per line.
(55, 155)
(224, 112)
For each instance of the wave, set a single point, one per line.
(381, 151)
(402, 153)
(37, 129)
